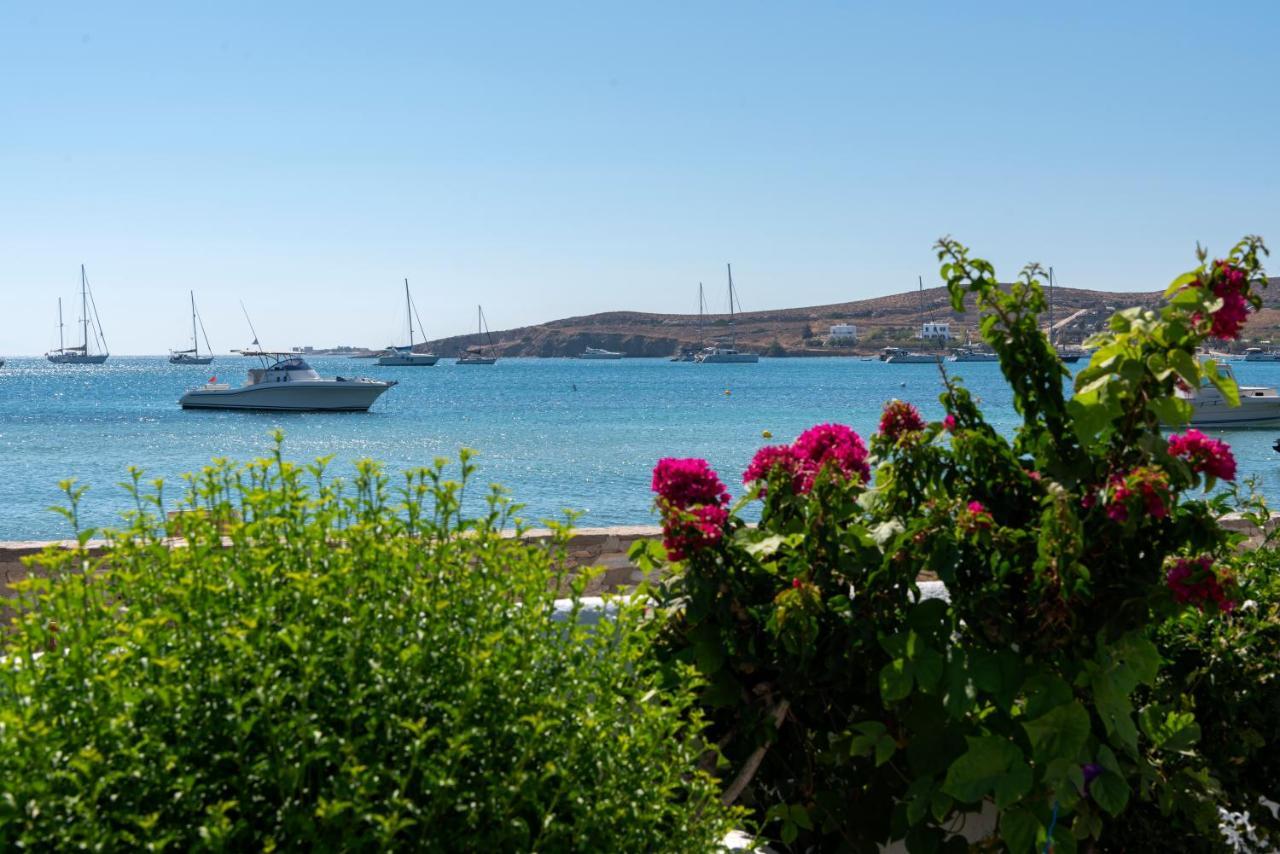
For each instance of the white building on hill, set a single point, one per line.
(843, 332)
(940, 330)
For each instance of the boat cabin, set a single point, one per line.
(291, 369)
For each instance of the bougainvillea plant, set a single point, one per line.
(853, 709)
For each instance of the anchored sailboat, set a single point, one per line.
(720, 354)
(475, 355)
(403, 356)
(80, 354)
(192, 356)
(899, 356)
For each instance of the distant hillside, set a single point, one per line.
(881, 322)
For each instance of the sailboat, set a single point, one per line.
(1064, 354)
(79, 354)
(475, 355)
(690, 354)
(720, 354)
(192, 356)
(403, 356)
(899, 356)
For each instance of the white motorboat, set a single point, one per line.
(1257, 354)
(402, 356)
(597, 353)
(972, 354)
(476, 355)
(285, 382)
(899, 356)
(719, 353)
(82, 353)
(192, 356)
(1259, 405)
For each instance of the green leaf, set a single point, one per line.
(1058, 734)
(885, 747)
(1018, 829)
(984, 767)
(895, 681)
(766, 546)
(1169, 730)
(1110, 791)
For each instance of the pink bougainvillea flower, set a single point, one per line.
(832, 446)
(1194, 581)
(898, 419)
(975, 517)
(1149, 484)
(684, 483)
(1207, 456)
(1230, 284)
(687, 531)
(769, 458)
(949, 423)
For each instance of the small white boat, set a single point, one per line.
(476, 355)
(597, 353)
(720, 354)
(1257, 354)
(1259, 405)
(402, 356)
(972, 354)
(286, 383)
(81, 354)
(899, 356)
(192, 356)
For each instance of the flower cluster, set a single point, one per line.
(1207, 456)
(1228, 283)
(898, 419)
(692, 500)
(975, 517)
(1194, 580)
(1147, 484)
(831, 446)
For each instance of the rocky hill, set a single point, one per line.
(881, 322)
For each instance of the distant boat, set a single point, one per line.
(476, 355)
(286, 383)
(403, 356)
(1069, 355)
(727, 355)
(1257, 354)
(596, 353)
(972, 354)
(899, 356)
(192, 356)
(81, 354)
(690, 354)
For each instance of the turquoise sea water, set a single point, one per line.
(559, 433)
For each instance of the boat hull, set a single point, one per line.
(913, 359)
(728, 358)
(610, 356)
(191, 360)
(76, 358)
(1215, 412)
(321, 396)
(408, 360)
(477, 360)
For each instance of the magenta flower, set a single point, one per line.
(1194, 581)
(1207, 456)
(1230, 284)
(769, 458)
(830, 445)
(976, 517)
(684, 483)
(1146, 483)
(949, 423)
(898, 419)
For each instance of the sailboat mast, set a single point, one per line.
(702, 303)
(195, 340)
(1050, 306)
(61, 344)
(733, 333)
(408, 307)
(84, 310)
(920, 280)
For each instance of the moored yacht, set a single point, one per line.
(402, 356)
(1257, 354)
(81, 354)
(900, 356)
(597, 353)
(1259, 405)
(476, 354)
(285, 382)
(719, 353)
(972, 354)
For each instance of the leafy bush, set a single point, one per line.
(853, 709)
(335, 666)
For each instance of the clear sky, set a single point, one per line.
(551, 159)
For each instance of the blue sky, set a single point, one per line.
(550, 159)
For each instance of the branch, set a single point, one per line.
(752, 764)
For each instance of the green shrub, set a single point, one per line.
(854, 711)
(350, 667)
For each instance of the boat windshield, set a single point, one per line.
(291, 364)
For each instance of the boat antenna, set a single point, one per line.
(250, 322)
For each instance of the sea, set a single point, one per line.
(558, 434)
